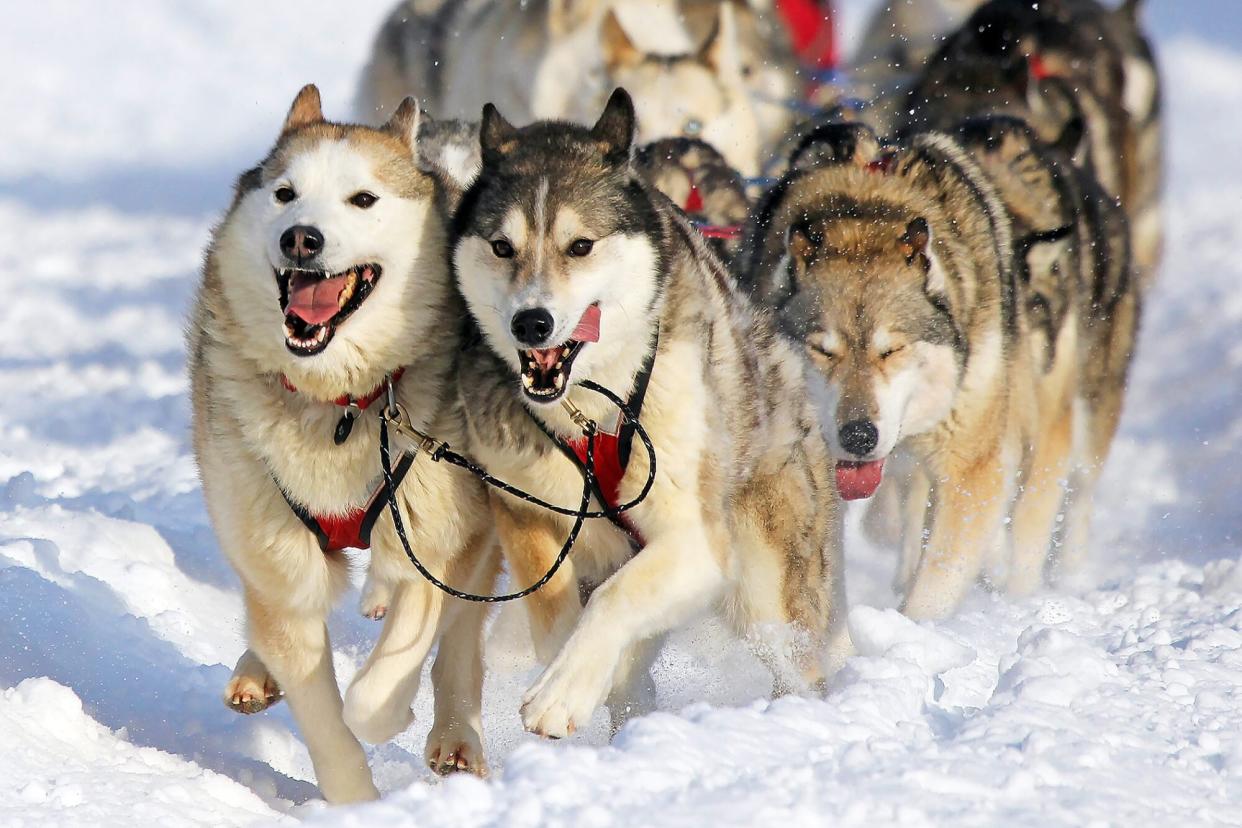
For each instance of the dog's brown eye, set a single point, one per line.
(886, 354)
(285, 194)
(581, 247)
(502, 249)
(363, 199)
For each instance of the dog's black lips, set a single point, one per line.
(545, 385)
(305, 339)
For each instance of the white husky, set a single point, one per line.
(325, 285)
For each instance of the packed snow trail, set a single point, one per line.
(127, 124)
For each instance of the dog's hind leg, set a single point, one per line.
(296, 650)
(790, 584)
(531, 541)
(633, 691)
(1097, 413)
(377, 704)
(455, 742)
(251, 689)
(1095, 426)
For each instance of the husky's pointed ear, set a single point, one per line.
(306, 110)
(564, 16)
(916, 246)
(720, 52)
(615, 128)
(803, 243)
(1129, 10)
(405, 122)
(496, 135)
(617, 48)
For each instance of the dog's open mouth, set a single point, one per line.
(315, 303)
(545, 371)
(857, 481)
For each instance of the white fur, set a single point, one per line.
(251, 432)
(377, 332)
(607, 276)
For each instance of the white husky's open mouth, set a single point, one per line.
(315, 303)
(545, 371)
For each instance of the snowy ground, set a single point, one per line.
(119, 620)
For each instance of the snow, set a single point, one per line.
(1114, 704)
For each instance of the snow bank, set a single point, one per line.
(63, 768)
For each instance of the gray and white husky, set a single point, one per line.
(576, 270)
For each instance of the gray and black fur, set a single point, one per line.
(679, 167)
(1049, 63)
(741, 461)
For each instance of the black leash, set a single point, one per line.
(441, 451)
(587, 487)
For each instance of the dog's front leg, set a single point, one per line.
(296, 650)
(969, 505)
(455, 742)
(377, 704)
(251, 688)
(675, 576)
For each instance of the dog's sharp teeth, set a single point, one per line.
(528, 382)
(559, 381)
(347, 292)
(558, 365)
(565, 351)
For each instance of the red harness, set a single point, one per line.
(612, 452)
(345, 401)
(694, 204)
(1039, 70)
(608, 473)
(811, 30)
(351, 530)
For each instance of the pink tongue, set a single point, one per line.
(314, 301)
(856, 481)
(588, 325)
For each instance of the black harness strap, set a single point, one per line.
(625, 437)
(375, 507)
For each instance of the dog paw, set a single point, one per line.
(566, 695)
(376, 598)
(251, 693)
(455, 750)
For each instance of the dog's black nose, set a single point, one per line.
(859, 437)
(532, 327)
(301, 242)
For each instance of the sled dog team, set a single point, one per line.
(930, 303)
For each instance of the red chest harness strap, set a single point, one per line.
(811, 30)
(345, 401)
(612, 453)
(694, 204)
(351, 530)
